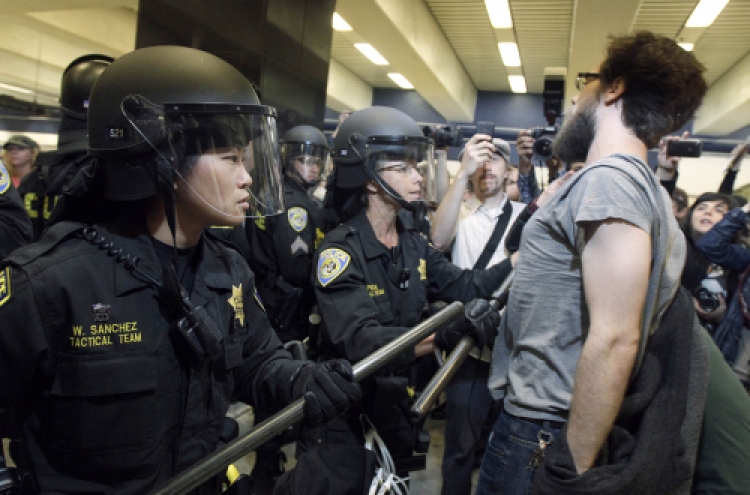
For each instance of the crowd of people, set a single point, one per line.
(171, 258)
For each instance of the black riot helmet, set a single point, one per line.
(304, 152)
(77, 81)
(375, 138)
(155, 111)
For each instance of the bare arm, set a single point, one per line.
(616, 264)
(477, 151)
(442, 176)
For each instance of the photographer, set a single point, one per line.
(720, 245)
(527, 182)
(708, 282)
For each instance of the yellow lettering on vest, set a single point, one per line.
(129, 338)
(48, 207)
(28, 201)
(78, 330)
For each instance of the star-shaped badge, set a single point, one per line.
(238, 304)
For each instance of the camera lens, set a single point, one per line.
(543, 148)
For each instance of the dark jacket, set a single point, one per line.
(653, 443)
(15, 225)
(282, 250)
(106, 394)
(366, 300)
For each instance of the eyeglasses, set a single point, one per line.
(584, 78)
(403, 167)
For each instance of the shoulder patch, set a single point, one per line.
(297, 218)
(4, 285)
(4, 179)
(331, 263)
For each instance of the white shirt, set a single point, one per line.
(475, 225)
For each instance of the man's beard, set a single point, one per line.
(576, 135)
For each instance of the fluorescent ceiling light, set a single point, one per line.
(688, 47)
(517, 84)
(510, 55)
(371, 53)
(339, 24)
(705, 13)
(499, 13)
(16, 89)
(400, 80)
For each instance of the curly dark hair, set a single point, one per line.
(664, 84)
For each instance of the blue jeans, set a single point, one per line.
(469, 408)
(505, 466)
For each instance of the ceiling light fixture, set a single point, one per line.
(16, 89)
(517, 84)
(509, 53)
(499, 13)
(688, 47)
(706, 13)
(371, 53)
(400, 80)
(339, 24)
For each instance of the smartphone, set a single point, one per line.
(684, 147)
(486, 128)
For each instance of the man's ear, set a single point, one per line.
(614, 91)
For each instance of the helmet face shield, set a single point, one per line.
(225, 154)
(307, 159)
(406, 155)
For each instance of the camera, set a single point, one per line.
(553, 95)
(544, 136)
(443, 135)
(707, 300)
(487, 128)
(684, 147)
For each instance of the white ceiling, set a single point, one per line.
(446, 48)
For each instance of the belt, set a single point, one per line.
(543, 422)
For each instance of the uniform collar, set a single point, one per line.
(214, 270)
(373, 248)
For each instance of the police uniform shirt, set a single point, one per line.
(15, 225)
(283, 246)
(366, 301)
(106, 395)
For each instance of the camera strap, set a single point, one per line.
(494, 240)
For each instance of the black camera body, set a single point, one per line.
(707, 300)
(544, 136)
(553, 96)
(443, 135)
(684, 147)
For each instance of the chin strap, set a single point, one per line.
(165, 176)
(357, 142)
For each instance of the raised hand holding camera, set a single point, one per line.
(478, 150)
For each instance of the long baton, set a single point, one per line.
(217, 462)
(455, 359)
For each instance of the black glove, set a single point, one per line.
(328, 390)
(480, 321)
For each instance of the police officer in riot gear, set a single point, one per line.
(283, 246)
(373, 274)
(53, 170)
(127, 330)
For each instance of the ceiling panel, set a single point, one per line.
(542, 28)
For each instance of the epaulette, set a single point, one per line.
(340, 233)
(53, 236)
